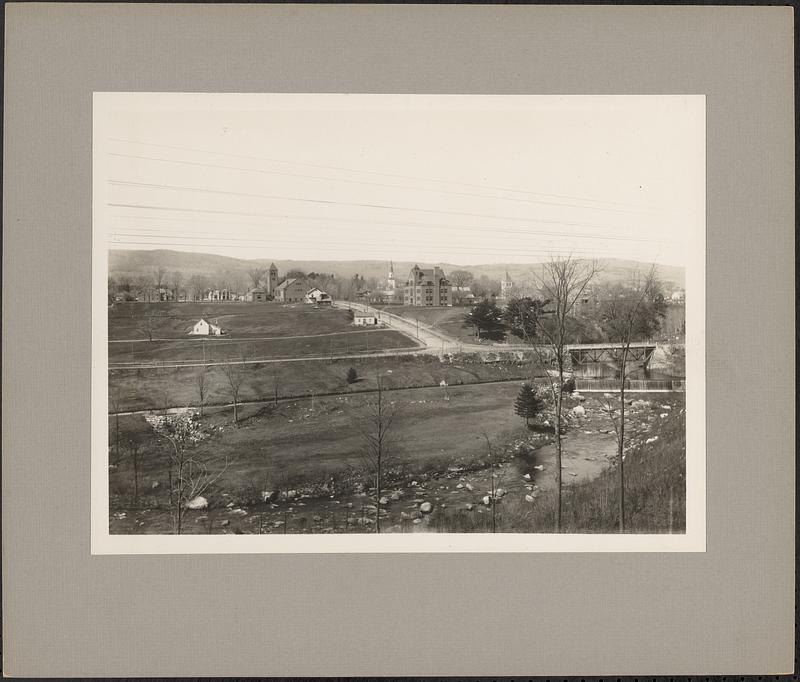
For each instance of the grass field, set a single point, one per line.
(298, 441)
(211, 349)
(439, 439)
(446, 319)
(173, 320)
(154, 388)
(255, 331)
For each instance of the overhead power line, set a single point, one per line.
(327, 202)
(233, 242)
(377, 184)
(346, 221)
(375, 173)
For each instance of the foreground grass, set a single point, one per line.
(156, 388)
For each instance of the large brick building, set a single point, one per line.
(427, 287)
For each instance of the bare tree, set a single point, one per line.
(177, 280)
(159, 276)
(144, 285)
(189, 477)
(375, 424)
(256, 275)
(628, 313)
(461, 278)
(148, 326)
(562, 282)
(198, 284)
(202, 387)
(275, 381)
(234, 373)
(134, 447)
(113, 400)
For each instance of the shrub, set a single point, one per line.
(352, 375)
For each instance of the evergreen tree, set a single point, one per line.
(528, 404)
(486, 319)
(352, 375)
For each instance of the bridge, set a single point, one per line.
(582, 354)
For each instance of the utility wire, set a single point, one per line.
(377, 184)
(254, 195)
(376, 173)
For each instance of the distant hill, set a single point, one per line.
(134, 262)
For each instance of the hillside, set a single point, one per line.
(133, 262)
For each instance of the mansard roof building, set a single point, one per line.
(427, 287)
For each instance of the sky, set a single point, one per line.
(459, 179)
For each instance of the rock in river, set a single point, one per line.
(197, 503)
(426, 507)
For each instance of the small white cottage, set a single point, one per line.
(365, 319)
(205, 328)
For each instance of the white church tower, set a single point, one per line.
(390, 283)
(505, 287)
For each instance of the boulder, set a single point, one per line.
(417, 521)
(225, 523)
(197, 503)
(470, 506)
(527, 477)
(529, 498)
(469, 486)
(499, 492)
(291, 494)
(578, 411)
(539, 467)
(426, 507)
(384, 500)
(487, 500)
(396, 496)
(269, 495)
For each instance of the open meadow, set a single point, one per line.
(254, 331)
(450, 446)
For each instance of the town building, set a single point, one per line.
(317, 296)
(462, 296)
(506, 288)
(290, 291)
(365, 319)
(392, 293)
(257, 295)
(427, 287)
(272, 280)
(205, 328)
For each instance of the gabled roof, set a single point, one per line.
(257, 290)
(285, 283)
(210, 324)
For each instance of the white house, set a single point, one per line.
(204, 328)
(318, 296)
(365, 319)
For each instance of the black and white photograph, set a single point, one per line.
(344, 322)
